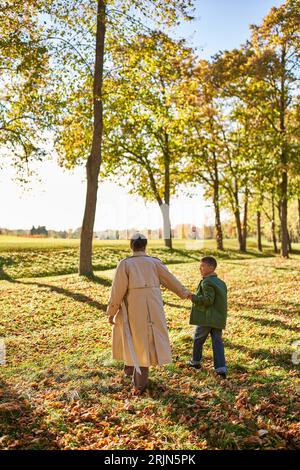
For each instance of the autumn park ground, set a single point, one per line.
(60, 389)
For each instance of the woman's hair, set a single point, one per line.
(138, 242)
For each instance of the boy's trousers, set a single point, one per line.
(200, 336)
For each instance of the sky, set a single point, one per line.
(224, 24)
(57, 200)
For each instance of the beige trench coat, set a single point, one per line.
(136, 287)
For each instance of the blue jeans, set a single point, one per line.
(201, 334)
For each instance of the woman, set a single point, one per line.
(140, 334)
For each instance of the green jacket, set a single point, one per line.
(210, 303)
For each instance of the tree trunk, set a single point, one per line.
(237, 215)
(298, 219)
(289, 242)
(165, 210)
(239, 228)
(258, 218)
(280, 218)
(218, 225)
(284, 230)
(274, 226)
(284, 176)
(166, 206)
(245, 222)
(94, 160)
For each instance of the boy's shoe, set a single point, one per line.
(222, 375)
(194, 366)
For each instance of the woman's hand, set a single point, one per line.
(111, 320)
(190, 297)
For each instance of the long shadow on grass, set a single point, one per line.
(3, 275)
(77, 297)
(101, 280)
(73, 295)
(58, 272)
(272, 323)
(290, 308)
(282, 268)
(20, 422)
(226, 254)
(274, 359)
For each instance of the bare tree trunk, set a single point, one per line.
(259, 243)
(237, 215)
(289, 242)
(218, 224)
(274, 226)
(284, 176)
(298, 219)
(165, 210)
(284, 230)
(166, 213)
(239, 228)
(245, 222)
(94, 160)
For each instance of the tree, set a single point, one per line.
(203, 139)
(94, 159)
(80, 80)
(24, 65)
(277, 51)
(145, 118)
(263, 74)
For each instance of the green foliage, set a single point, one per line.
(144, 117)
(262, 79)
(47, 55)
(243, 118)
(24, 65)
(168, 121)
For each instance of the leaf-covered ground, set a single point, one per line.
(61, 390)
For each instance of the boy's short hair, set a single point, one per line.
(210, 260)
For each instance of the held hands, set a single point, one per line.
(190, 297)
(111, 318)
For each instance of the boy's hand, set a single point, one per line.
(190, 297)
(111, 320)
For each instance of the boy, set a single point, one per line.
(209, 313)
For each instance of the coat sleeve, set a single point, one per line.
(207, 298)
(118, 289)
(168, 280)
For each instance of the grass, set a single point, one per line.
(22, 257)
(61, 390)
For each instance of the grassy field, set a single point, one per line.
(27, 257)
(60, 389)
